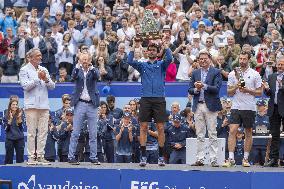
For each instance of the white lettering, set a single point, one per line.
(154, 184)
(67, 186)
(95, 187)
(74, 186)
(48, 186)
(41, 187)
(134, 185)
(87, 187)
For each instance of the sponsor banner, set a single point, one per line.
(268, 180)
(60, 178)
(159, 179)
(121, 89)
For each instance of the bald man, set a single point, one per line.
(85, 101)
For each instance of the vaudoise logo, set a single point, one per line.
(32, 184)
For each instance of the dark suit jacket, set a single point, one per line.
(272, 79)
(92, 78)
(211, 95)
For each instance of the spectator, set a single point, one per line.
(13, 120)
(8, 21)
(10, 63)
(63, 75)
(223, 66)
(79, 24)
(68, 15)
(36, 37)
(52, 137)
(137, 9)
(154, 5)
(100, 22)
(115, 112)
(65, 54)
(20, 6)
(118, 64)
(124, 140)
(56, 6)
(125, 34)
(64, 134)
(106, 122)
(249, 33)
(46, 21)
(61, 23)
(56, 34)
(75, 34)
(104, 69)
(48, 48)
(89, 32)
(177, 139)
(199, 17)
(120, 7)
(66, 104)
(23, 44)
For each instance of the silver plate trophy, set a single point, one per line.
(150, 29)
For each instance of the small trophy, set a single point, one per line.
(240, 76)
(150, 29)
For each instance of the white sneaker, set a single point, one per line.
(42, 161)
(31, 161)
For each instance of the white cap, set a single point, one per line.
(201, 23)
(221, 45)
(68, 4)
(196, 36)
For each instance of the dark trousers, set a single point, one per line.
(19, 146)
(109, 150)
(152, 156)
(178, 157)
(62, 158)
(122, 158)
(275, 124)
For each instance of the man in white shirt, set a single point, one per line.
(244, 84)
(125, 34)
(36, 82)
(55, 6)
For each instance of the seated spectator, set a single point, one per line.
(63, 76)
(65, 54)
(104, 69)
(118, 64)
(13, 121)
(48, 49)
(10, 63)
(124, 138)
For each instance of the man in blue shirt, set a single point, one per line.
(153, 103)
(8, 21)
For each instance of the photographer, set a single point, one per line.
(23, 44)
(10, 64)
(8, 21)
(14, 133)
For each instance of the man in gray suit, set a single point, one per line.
(36, 82)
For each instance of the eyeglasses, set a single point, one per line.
(263, 49)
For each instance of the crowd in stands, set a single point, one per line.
(107, 28)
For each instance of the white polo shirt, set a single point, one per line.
(245, 101)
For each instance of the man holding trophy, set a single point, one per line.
(244, 84)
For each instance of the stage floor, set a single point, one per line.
(135, 166)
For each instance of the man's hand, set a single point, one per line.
(178, 146)
(198, 85)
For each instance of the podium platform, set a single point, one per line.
(131, 176)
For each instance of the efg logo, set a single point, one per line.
(144, 185)
(66, 185)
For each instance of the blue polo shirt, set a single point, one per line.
(152, 74)
(196, 22)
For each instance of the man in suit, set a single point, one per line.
(36, 82)
(85, 100)
(205, 85)
(275, 90)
